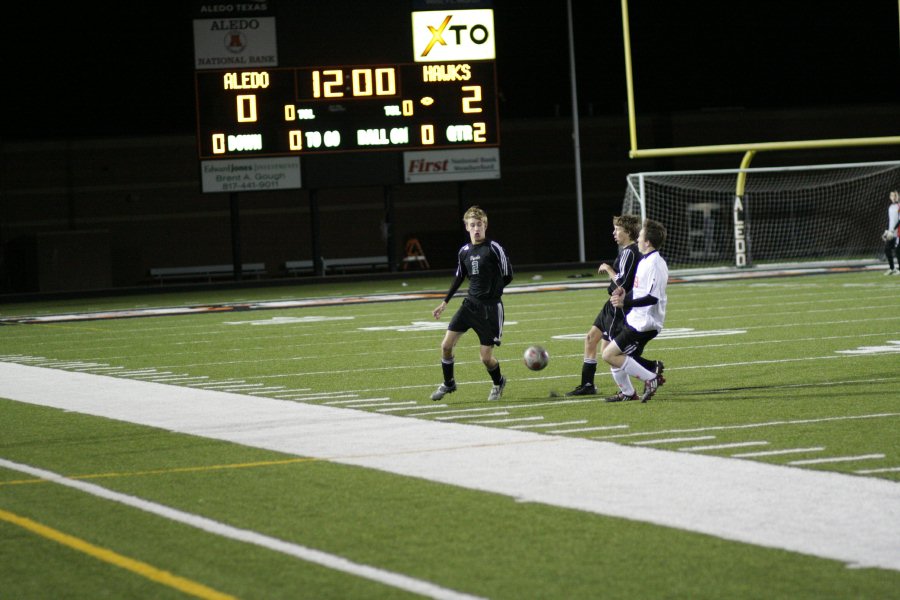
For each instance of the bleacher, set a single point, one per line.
(205, 272)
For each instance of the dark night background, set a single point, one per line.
(125, 69)
(99, 176)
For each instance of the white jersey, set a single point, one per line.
(893, 216)
(650, 280)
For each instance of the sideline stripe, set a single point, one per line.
(129, 564)
(745, 501)
(324, 559)
(675, 276)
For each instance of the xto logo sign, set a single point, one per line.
(452, 35)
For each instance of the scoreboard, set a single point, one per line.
(310, 110)
(344, 93)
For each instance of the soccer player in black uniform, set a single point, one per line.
(488, 268)
(610, 319)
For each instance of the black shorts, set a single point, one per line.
(486, 318)
(610, 321)
(631, 341)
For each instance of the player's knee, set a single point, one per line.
(610, 352)
(487, 357)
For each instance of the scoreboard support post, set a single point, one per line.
(389, 228)
(235, 209)
(315, 241)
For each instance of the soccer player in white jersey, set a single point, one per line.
(647, 301)
(489, 271)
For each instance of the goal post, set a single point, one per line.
(742, 217)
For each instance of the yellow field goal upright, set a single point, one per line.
(748, 149)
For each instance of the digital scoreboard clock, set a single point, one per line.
(316, 110)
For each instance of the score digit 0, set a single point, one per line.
(246, 108)
(427, 135)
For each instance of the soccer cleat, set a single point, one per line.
(620, 397)
(497, 390)
(895, 272)
(585, 389)
(443, 390)
(891, 272)
(652, 385)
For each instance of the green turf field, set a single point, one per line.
(795, 371)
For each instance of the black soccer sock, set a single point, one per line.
(447, 368)
(588, 370)
(496, 377)
(650, 365)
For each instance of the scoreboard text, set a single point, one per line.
(297, 111)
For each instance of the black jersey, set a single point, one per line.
(625, 267)
(488, 269)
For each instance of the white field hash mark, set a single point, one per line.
(673, 333)
(753, 425)
(892, 347)
(836, 459)
(762, 453)
(722, 446)
(750, 502)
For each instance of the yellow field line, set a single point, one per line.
(135, 566)
(249, 465)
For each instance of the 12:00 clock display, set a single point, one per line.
(296, 111)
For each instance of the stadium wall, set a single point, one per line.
(91, 214)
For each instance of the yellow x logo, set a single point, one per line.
(436, 35)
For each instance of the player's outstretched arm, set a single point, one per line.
(605, 268)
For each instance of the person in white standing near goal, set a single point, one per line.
(891, 235)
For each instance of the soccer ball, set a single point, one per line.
(536, 358)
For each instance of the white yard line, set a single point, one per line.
(846, 518)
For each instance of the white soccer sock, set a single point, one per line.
(634, 368)
(623, 381)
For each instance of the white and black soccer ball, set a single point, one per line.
(536, 358)
(888, 235)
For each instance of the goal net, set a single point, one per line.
(742, 217)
